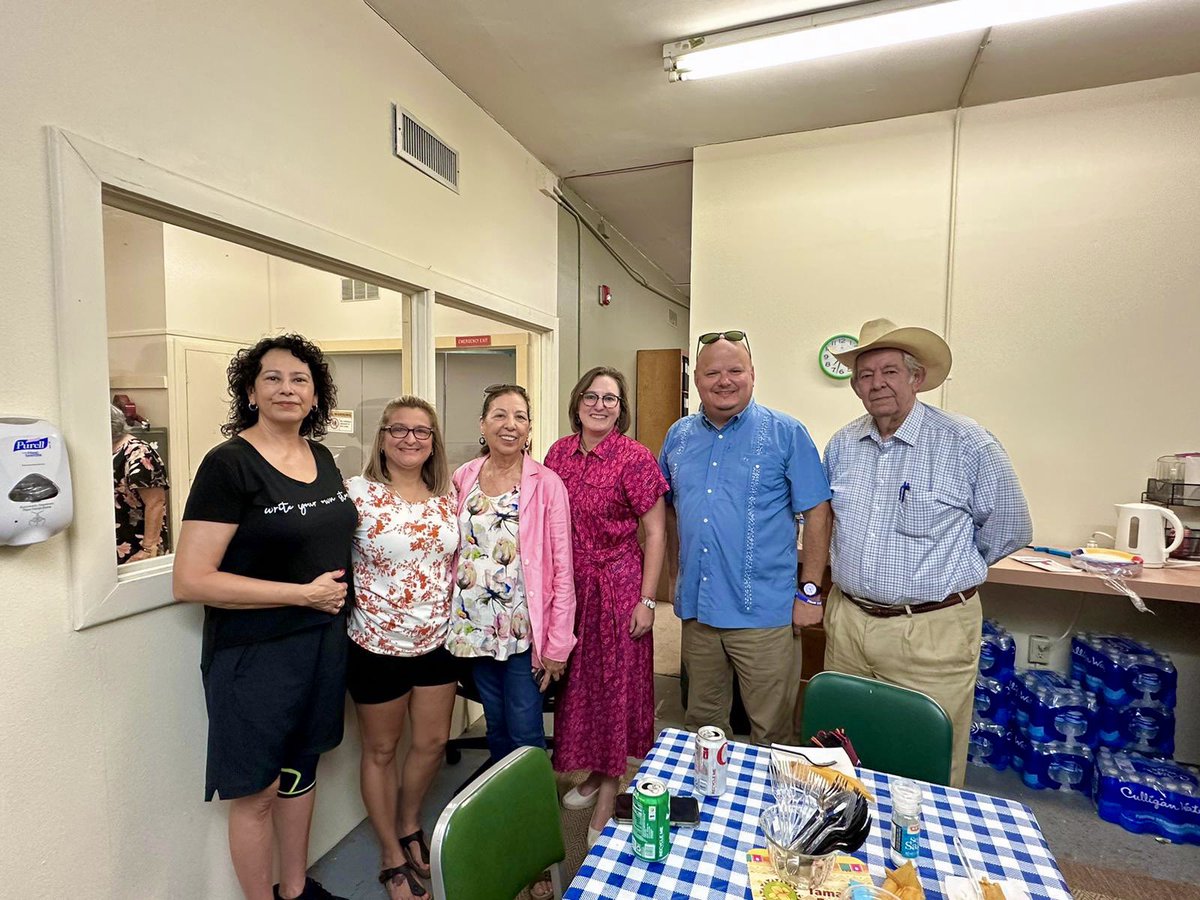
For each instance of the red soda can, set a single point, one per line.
(712, 761)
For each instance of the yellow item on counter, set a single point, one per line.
(991, 890)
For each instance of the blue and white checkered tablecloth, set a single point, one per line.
(709, 860)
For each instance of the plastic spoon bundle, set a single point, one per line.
(1112, 567)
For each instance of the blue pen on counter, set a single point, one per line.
(904, 489)
(1066, 554)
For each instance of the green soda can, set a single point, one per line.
(651, 820)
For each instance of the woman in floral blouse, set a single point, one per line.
(514, 607)
(606, 711)
(398, 666)
(139, 494)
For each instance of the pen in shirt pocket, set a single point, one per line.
(904, 489)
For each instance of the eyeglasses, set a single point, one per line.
(400, 432)
(591, 398)
(712, 337)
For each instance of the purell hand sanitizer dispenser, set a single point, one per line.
(35, 482)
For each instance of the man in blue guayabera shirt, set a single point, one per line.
(923, 502)
(740, 474)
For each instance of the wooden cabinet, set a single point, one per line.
(662, 394)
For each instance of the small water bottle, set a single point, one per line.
(906, 821)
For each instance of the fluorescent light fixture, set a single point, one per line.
(850, 29)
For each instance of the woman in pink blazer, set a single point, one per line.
(513, 610)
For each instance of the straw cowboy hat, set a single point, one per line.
(926, 347)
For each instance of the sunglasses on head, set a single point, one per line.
(712, 337)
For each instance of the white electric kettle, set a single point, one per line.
(1140, 531)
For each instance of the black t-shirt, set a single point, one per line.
(288, 531)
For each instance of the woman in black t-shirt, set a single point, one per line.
(265, 546)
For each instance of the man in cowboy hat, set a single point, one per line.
(923, 501)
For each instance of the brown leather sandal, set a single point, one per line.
(405, 871)
(417, 865)
(543, 888)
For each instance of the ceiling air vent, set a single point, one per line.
(420, 147)
(354, 290)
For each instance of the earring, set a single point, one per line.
(482, 441)
(253, 407)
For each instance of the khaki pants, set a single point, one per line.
(936, 653)
(767, 662)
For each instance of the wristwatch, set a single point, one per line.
(648, 602)
(809, 592)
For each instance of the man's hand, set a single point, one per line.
(805, 615)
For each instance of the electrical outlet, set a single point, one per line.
(1040, 648)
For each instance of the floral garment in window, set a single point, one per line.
(135, 465)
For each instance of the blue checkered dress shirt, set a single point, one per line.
(922, 515)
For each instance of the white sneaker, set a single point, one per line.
(572, 799)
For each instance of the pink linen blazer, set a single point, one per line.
(544, 545)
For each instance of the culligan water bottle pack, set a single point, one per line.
(1054, 731)
(1151, 796)
(1136, 686)
(989, 744)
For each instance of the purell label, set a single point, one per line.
(37, 444)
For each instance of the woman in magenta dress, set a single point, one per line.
(605, 712)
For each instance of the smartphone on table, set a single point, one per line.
(685, 811)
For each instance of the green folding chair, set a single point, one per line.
(893, 729)
(500, 833)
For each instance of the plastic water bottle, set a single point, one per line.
(997, 652)
(906, 821)
(988, 745)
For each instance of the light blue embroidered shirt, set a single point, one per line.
(962, 509)
(737, 491)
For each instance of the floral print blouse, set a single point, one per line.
(403, 557)
(490, 616)
(135, 465)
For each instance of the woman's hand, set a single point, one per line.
(325, 592)
(641, 621)
(552, 670)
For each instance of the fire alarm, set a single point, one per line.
(605, 295)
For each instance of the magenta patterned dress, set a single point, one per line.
(605, 711)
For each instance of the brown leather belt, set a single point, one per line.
(887, 612)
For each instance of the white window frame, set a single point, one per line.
(80, 170)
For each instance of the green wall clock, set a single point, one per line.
(830, 365)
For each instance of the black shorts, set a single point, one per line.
(271, 702)
(379, 678)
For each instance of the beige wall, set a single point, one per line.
(799, 237)
(288, 106)
(1073, 315)
(637, 318)
(215, 288)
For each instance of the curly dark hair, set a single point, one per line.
(245, 367)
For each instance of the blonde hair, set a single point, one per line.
(435, 472)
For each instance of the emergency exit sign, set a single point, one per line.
(473, 340)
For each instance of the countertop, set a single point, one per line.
(1181, 585)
